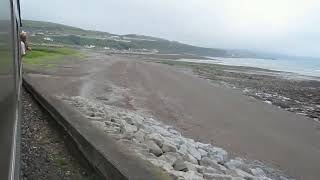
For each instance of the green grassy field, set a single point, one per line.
(48, 56)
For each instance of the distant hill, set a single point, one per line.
(47, 32)
(41, 26)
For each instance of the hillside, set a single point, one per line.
(53, 33)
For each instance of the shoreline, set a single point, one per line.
(297, 95)
(294, 74)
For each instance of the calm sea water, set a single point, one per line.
(301, 67)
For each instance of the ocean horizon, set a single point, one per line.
(304, 67)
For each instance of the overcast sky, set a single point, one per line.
(282, 26)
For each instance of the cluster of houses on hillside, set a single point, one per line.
(131, 51)
(49, 37)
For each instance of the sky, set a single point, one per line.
(280, 26)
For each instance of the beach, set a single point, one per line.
(290, 91)
(249, 112)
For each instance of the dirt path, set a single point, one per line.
(222, 116)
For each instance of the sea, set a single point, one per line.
(299, 67)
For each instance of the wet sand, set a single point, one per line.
(204, 111)
(289, 91)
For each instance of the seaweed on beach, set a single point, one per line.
(295, 95)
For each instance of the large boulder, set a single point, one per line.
(157, 138)
(162, 164)
(153, 148)
(163, 131)
(192, 175)
(139, 136)
(208, 170)
(218, 154)
(258, 172)
(210, 163)
(129, 120)
(168, 147)
(238, 164)
(190, 158)
(202, 152)
(194, 152)
(193, 167)
(128, 128)
(170, 157)
(180, 165)
(189, 175)
(183, 149)
(241, 173)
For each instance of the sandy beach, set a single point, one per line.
(199, 106)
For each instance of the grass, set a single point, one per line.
(48, 56)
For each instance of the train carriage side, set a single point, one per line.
(10, 82)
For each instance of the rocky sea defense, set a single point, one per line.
(162, 145)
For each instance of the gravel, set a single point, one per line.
(46, 151)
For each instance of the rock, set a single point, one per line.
(112, 124)
(258, 172)
(113, 130)
(153, 148)
(239, 178)
(266, 178)
(142, 148)
(128, 128)
(241, 173)
(202, 152)
(203, 146)
(116, 135)
(190, 158)
(183, 149)
(128, 136)
(173, 131)
(139, 135)
(194, 152)
(238, 164)
(177, 175)
(170, 157)
(160, 163)
(218, 154)
(208, 170)
(189, 175)
(217, 176)
(234, 163)
(162, 131)
(157, 138)
(207, 162)
(129, 120)
(178, 141)
(168, 147)
(192, 175)
(190, 142)
(193, 167)
(179, 165)
(125, 142)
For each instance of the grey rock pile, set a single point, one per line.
(165, 147)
